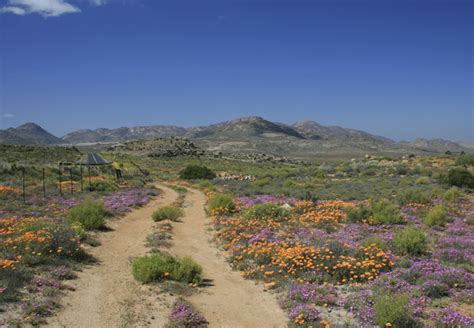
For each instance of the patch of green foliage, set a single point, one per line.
(158, 266)
(436, 216)
(267, 211)
(411, 241)
(414, 196)
(359, 214)
(393, 309)
(384, 212)
(194, 172)
(170, 212)
(452, 195)
(460, 177)
(222, 202)
(89, 214)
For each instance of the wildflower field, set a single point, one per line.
(41, 247)
(401, 258)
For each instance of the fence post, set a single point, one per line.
(82, 185)
(23, 185)
(44, 184)
(70, 177)
(60, 186)
(90, 184)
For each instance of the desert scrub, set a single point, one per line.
(411, 241)
(183, 314)
(90, 214)
(373, 240)
(436, 216)
(414, 196)
(267, 211)
(460, 177)
(221, 204)
(452, 195)
(392, 310)
(170, 212)
(158, 266)
(384, 212)
(358, 214)
(194, 172)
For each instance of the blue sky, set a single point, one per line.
(401, 68)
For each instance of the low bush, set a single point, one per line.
(422, 181)
(452, 195)
(90, 214)
(384, 212)
(359, 214)
(193, 172)
(414, 196)
(436, 216)
(157, 267)
(172, 213)
(265, 211)
(460, 178)
(105, 185)
(392, 310)
(411, 241)
(221, 203)
(366, 242)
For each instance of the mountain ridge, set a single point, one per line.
(245, 134)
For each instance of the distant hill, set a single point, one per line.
(437, 145)
(123, 134)
(244, 135)
(29, 134)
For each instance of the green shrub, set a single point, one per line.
(169, 212)
(422, 181)
(466, 159)
(157, 266)
(192, 172)
(90, 214)
(384, 212)
(222, 202)
(452, 195)
(267, 211)
(460, 178)
(261, 182)
(393, 309)
(411, 241)
(373, 240)
(105, 185)
(358, 214)
(436, 216)
(414, 196)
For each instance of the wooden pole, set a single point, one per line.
(23, 184)
(60, 186)
(44, 183)
(90, 184)
(70, 177)
(82, 184)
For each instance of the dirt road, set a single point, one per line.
(106, 294)
(231, 301)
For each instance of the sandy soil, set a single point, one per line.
(106, 294)
(230, 301)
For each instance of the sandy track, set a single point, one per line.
(231, 301)
(106, 294)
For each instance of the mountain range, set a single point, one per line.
(248, 134)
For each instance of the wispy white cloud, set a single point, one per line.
(8, 115)
(98, 2)
(13, 10)
(46, 8)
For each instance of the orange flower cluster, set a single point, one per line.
(280, 258)
(322, 214)
(7, 190)
(21, 238)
